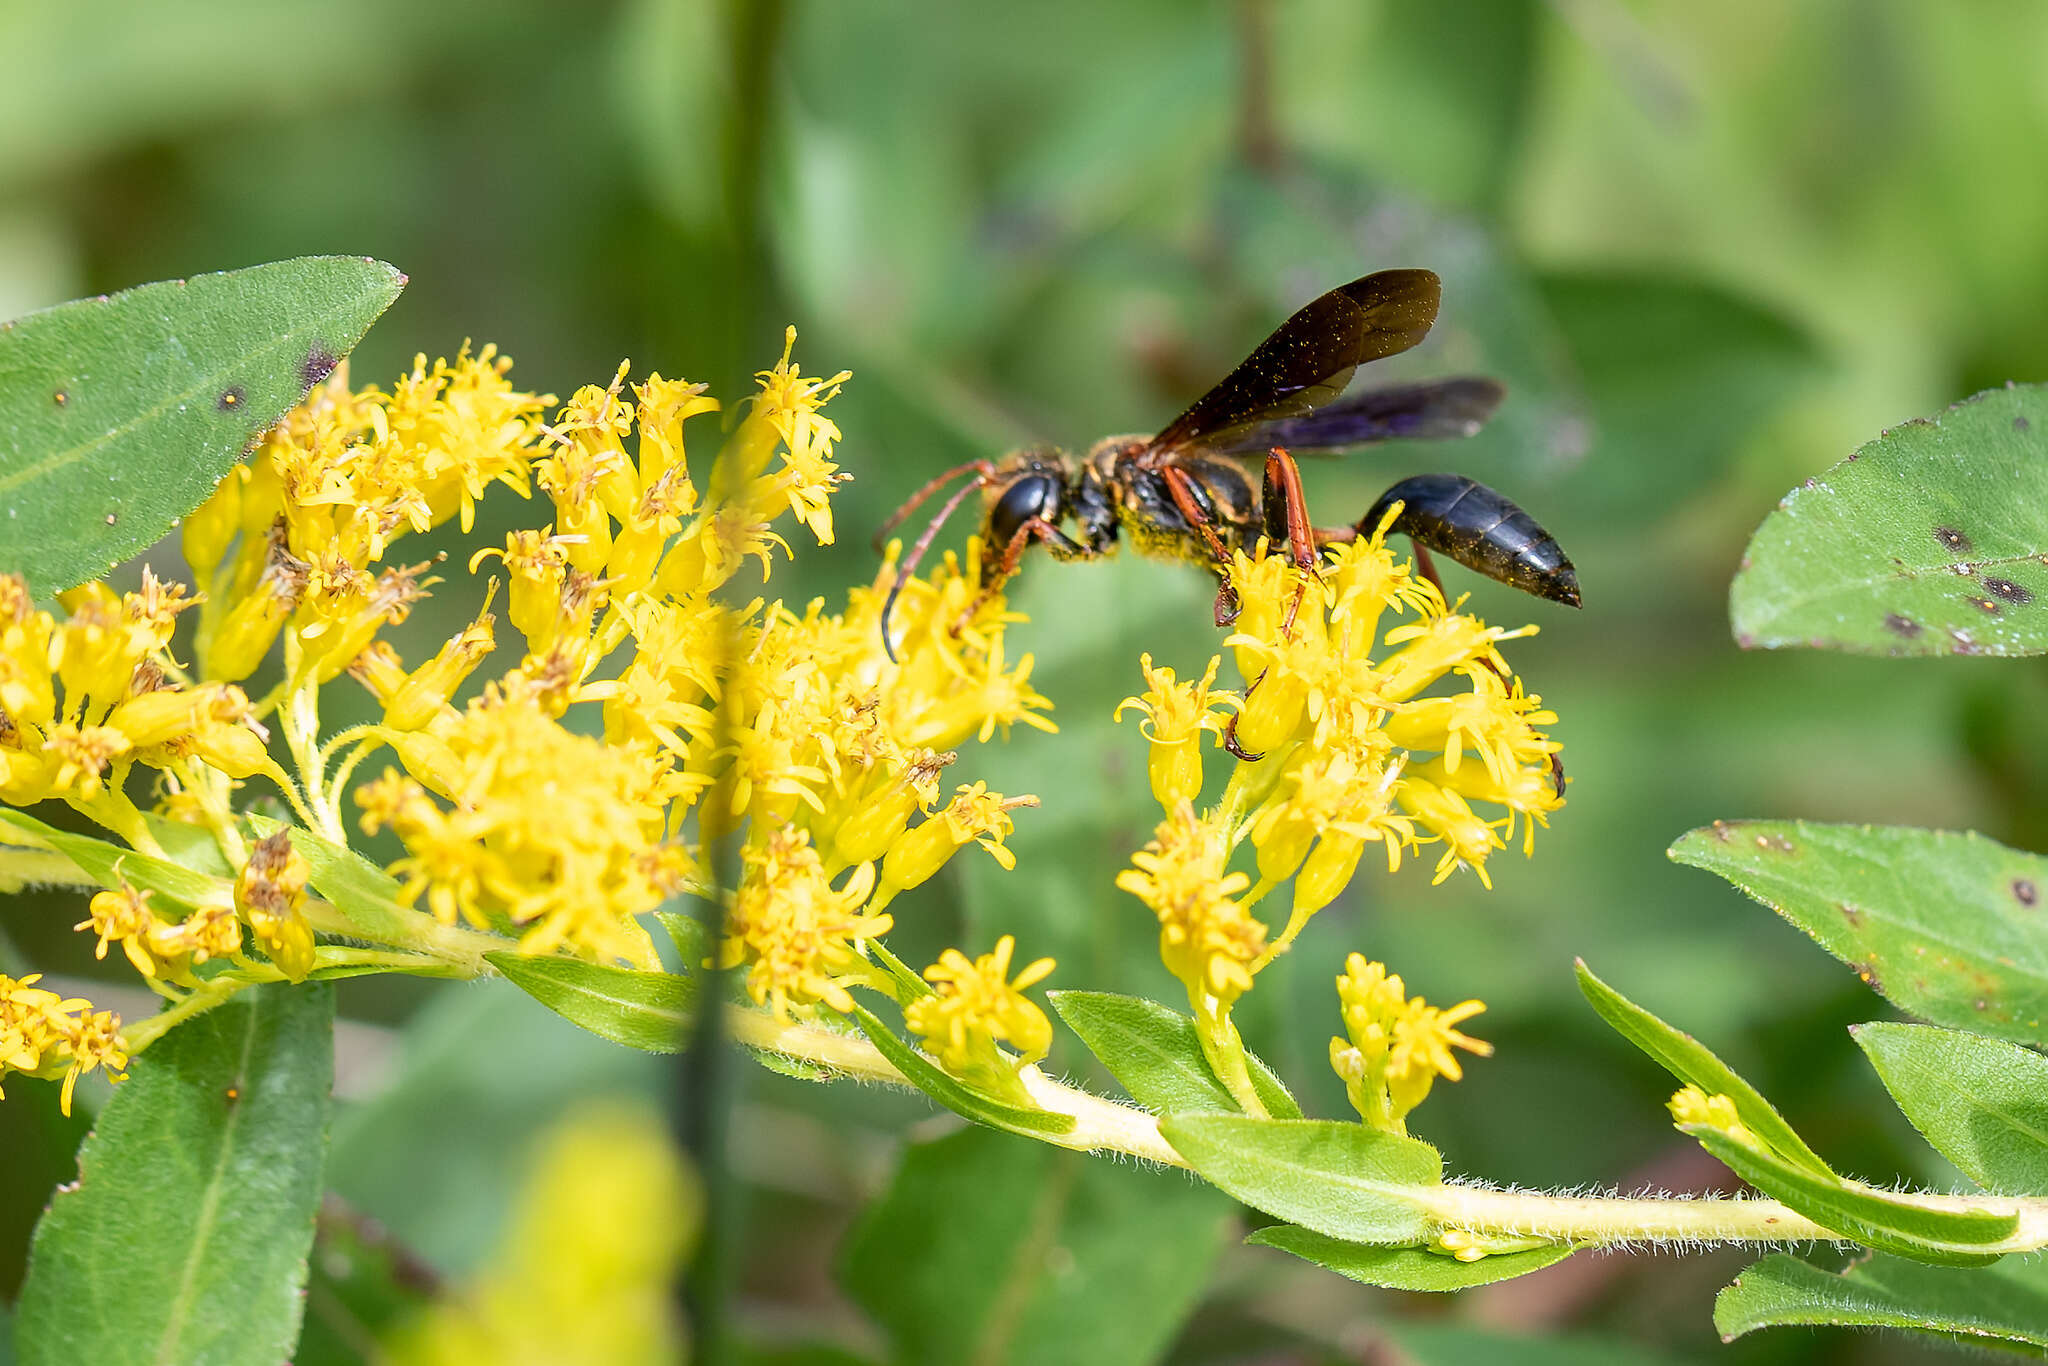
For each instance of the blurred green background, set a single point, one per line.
(1710, 249)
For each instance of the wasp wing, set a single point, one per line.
(1309, 359)
(1431, 411)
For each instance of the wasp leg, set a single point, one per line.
(1230, 727)
(1181, 489)
(1287, 520)
(1426, 566)
(1062, 546)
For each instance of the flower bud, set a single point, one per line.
(1175, 769)
(426, 691)
(210, 529)
(1326, 872)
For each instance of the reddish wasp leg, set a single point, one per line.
(1426, 567)
(908, 566)
(1283, 487)
(1181, 489)
(1036, 528)
(1230, 727)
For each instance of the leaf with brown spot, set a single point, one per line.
(1929, 540)
(1946, 925)
(119, 414)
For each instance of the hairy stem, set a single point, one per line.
(1103, 1125)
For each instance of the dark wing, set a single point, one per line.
(1430, 411)
(1309, 359)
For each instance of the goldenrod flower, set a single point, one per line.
(797, 934)
(974, 1004)
(270, 892)
(569, 794)
(1206, 937)
(122, 916)
(975, 816)
(1176, 714)
(1395, 1048)
(1692, 1107)
(43, 1034)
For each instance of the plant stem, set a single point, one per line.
(1103, 1125)
(199, 1000)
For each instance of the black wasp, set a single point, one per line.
(1186, 493)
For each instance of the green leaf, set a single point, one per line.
(359, 889)
(644, 1010)
(1155, 1055)
(1344, 1180)
(189, 844)
(1884, 1220)
(119, 414)
(1689, 1060)
(1404, 1268)
(1982, 1103)
(2007, 1302)
(1423, 1343)
(989, 1249)
(107, 864)
(1929, 540)
(906, 976)
(686, 931)
(953, 1093)
(1952, 928)
(185, 1238)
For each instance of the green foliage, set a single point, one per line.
(1982, 1103)
(1946, 926)
(186, 1236)
(1690, 1061)
(107, 864)
(2005, 1303)
(1927, 541)
(1880, 1219)
(121, 413)
(1155, 1054)
(1405, 1268)
(644, 1010)
(988, 1249)
(955, 1095)
(1343, 1180)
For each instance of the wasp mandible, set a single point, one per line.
(1187, 493)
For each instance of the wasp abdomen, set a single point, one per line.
(1480, 529)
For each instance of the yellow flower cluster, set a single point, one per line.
(161, 950)
(1346, 738)
(650, 715)
(43, 1034)
(1692, 1107)
(974, 1004)
(291, 542)
(82, 702)
(1394, 1047)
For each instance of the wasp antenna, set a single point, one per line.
(982, 467)
(908, 565)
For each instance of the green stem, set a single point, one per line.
(413, 931)
(1102, 1125)
(198, 1001)
(1224, 1049)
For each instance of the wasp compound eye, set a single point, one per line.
(1032, 497)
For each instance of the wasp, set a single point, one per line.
(1188, 493)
